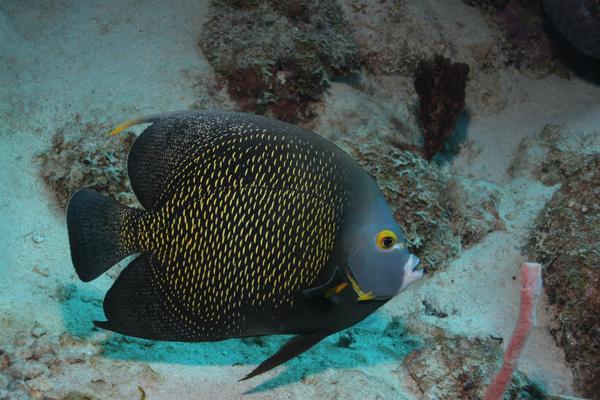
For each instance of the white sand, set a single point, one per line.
(110, 60)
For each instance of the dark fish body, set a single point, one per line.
(243, 217)
(578, 21)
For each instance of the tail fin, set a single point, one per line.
(94, 222)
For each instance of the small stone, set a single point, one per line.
(68, 340)
(91, 300)
(28, 370)
(346, 340)
(65, 292)
(24, 353)
(37, 237)
(35, 394)
(41, 272)
(41, 349)
(23, 340)
(40, 384)
(38, 331)
(584, 209)
(571, 203)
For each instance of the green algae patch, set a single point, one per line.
(277, 58)
(566, 242)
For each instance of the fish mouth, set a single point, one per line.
(415, 263)
(412, 271)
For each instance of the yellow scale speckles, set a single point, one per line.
(247, 222)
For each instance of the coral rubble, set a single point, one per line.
(278, 57)
(565, 241)
(440, 85)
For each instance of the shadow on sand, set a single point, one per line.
(368, 343)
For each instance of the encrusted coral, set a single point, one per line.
(439, 215)
(91, 160)
(278, 57)
(566, 242)
(449, 367)
(440, 85)
(555, 154)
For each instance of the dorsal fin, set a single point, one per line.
(158, 149)
(207, 150)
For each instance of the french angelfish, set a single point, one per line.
(250, 226)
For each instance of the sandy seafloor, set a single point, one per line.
(110, 60)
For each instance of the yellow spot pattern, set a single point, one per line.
(247, 222)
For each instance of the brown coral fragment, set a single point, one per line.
(440, 85)
(566, 241)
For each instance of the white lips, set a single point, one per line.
(411, 274)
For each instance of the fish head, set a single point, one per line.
(378, 262)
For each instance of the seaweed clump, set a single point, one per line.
(90, 160)
(278, 57)
(439, 215)
(440, 85)
(565, 241)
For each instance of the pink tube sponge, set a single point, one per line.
(531, 286)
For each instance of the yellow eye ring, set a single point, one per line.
(386, 239)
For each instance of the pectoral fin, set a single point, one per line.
(362, 296)
(293, 347)
(334, 285)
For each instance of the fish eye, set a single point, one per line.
(386, 239)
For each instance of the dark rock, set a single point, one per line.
(440, 85)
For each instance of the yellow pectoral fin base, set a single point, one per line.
(362, 296)
(366, 296)
(336, 290)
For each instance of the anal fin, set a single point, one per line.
(292, 348)
(133, 306)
